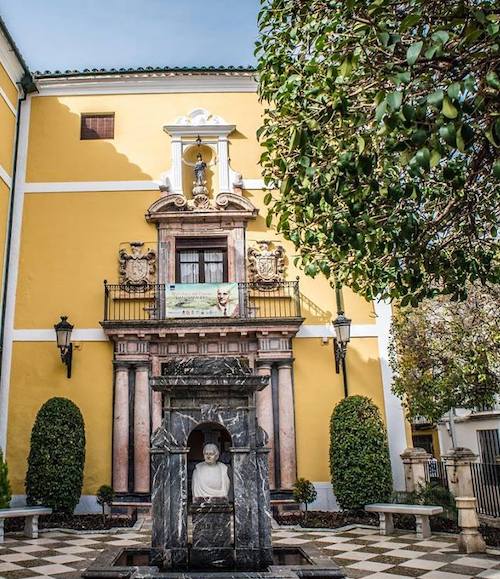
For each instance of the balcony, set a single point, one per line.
(211, 302)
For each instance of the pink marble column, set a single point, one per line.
(141, 430)
(120, 430)
(264, 404)
(156, 410)
(288, 461)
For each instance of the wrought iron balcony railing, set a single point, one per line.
(163, 302)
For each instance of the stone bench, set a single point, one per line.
(30, 515)
(421, 513)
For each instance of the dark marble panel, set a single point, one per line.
(211, 524)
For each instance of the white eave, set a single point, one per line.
(134, 83)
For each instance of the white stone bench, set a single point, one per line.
(421, 513)
(30, 515)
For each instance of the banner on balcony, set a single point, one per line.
(201, 300)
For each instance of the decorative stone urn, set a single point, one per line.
(221, 391)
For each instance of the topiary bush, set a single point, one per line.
(5, 494)
(57, 456)
(359, 454)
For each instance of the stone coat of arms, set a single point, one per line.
(266, 264)
(137, 268)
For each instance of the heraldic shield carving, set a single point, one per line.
(266, 264)
(137, 268)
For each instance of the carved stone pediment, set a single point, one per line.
(266, 264)
(224, 202)
(137, 267)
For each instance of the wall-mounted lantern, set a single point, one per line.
(342, 336)
(63, 336)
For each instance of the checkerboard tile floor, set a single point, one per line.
(361, 552)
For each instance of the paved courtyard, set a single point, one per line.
(361, 551)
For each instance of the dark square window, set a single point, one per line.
(201, 260)
(97, 126)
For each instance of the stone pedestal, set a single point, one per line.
(212, 536)
(470, 539)
(458, 462)
(196, 392)
(415, 461)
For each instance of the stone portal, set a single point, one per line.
(199, 391)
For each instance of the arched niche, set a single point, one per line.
(189, 158)
(207, 433)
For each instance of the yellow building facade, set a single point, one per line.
(106, 187)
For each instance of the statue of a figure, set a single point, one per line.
(210, 478)
(199, 170)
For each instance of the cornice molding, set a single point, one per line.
(104, 186)
(147, 83)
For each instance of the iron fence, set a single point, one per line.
(486, 485)
(435, 472)
(255, 301)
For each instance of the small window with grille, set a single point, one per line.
(201, 260)
(97, 126)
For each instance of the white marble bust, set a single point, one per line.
(210, 478)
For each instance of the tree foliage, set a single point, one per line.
(382, 131)
(57, 456)
(446, 354)
(304, 492)
(105, 497)
(359, 454)
(5, 492)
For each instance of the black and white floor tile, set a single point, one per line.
(361, 552)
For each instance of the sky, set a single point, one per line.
(77, 34)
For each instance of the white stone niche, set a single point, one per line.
(208, 130)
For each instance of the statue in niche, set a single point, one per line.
(137, 269)
(210, 478)
(199, 171)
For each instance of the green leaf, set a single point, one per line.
(361, 144)
(496, 170)
(436, 98)
(409, 112)
(441, 36)
(448, 134)
(449, 110)
(413, 52)
(492, 80)
(454, 90)
(267, 198)
(402, 78)
(423, 158)
(394, 100)
(294, 139)
(346, 66)
(269, 219)
(409, 21)
(435, 158)
(431, 51)
(381, 110)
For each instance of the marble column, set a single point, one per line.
(141, 430)
(120, 430)
(265, 417)
(288, 461)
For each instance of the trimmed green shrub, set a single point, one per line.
(105, 496)
(5, 494)
(304, 492)
(359, 454)
(57, 456)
